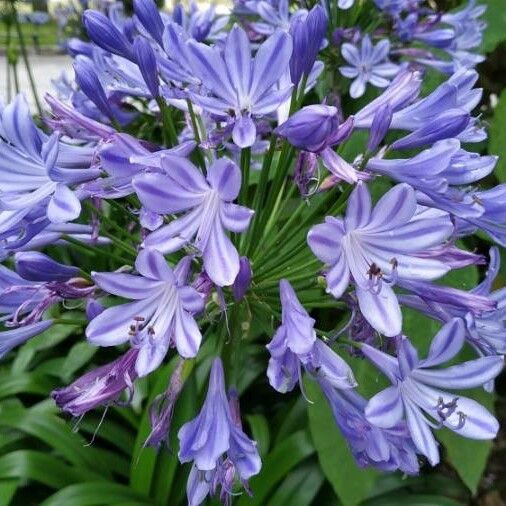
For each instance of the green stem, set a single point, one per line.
(69, 321)
(196, 134)
(93, 249)
(169, 130)
(259, 197)
(245, 169)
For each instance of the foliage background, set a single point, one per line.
(100, 460)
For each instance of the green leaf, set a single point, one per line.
(299, 488)
(350, 483)
(79, 355)
(7, 490)
(496, 145)
(260, 432)
(96, 494)
(45, 469)
(33, 383)
(284, 457)
(495, 17)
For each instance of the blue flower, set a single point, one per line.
(416, 396)
(216, 444)
(367, 64)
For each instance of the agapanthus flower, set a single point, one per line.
(316, 128)
(37, 170)
(274, 15)
(373, 248)
(209, 210)
(294, 346)
(161, 315)
(441, 174)
(241, 86)
(367, 64)
(216, 444)
(162, 408)
(416, 395)
(99, 387)
(482, 309)
(24, 300)
(385, 449)
(308, 33)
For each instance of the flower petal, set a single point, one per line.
(64, 205)
(385, 409)
(381, 310)
(152, 264)
(244, 132)
(358, 212)
(126, 285)
(446, 343)
(234, 217)
(225, 177)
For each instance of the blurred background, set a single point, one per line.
(43, 461)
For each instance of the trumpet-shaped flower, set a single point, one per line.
(416, 393)
(367, 64)
(216, 444)
(375, 247)
(239, 85)
(209, 211)
(160, 316)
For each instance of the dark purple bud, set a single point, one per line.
(178, 14)
(149, 16)
(380, 126)
(203, 284)
(35, 266)
(162, 408)
(307, 35)
(146, 61)
(104, 34)
(445, 126)
(91, 86)
(304, 174)
(98, 387)
(310, 128)
(243, 279)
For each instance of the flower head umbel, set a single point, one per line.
(216, 444)
(208, 207)
(374, 247)
(160, 316)
(241, 86)
(416, 395)
(367, 64)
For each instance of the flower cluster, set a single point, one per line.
(229, 199)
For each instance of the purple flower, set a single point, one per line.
(162, 408)
(274, 14)
(36, 266)
(12, 338)
(216, 444)
(316, 128)
(98, 387)
(367, 64)
(402, 91)
(147, 13)
(374, 248)
(146, 60)
(36, 170)
(240, 85)
(209, 211)
(482, 310)
(106, 35)
(122, 157)
(68, 120)
(416, 396)
(385, 449)
(295, 344)
(308, 35)
(160, 316)
(243, 280)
